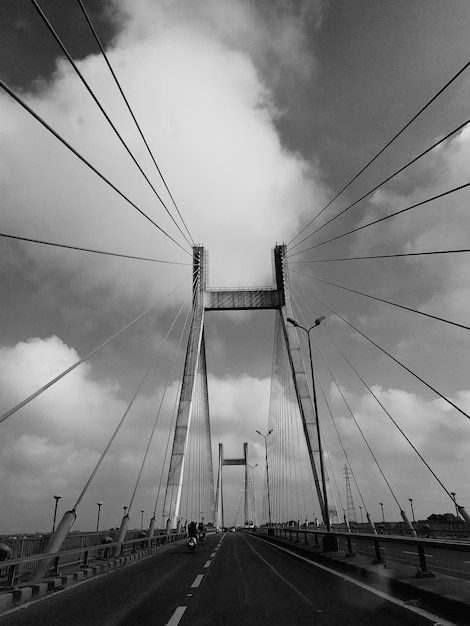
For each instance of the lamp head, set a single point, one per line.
(319, 320)
(292, 321)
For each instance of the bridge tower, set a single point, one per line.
(219, 496)
(276, 297)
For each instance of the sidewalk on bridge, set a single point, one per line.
(447, 596)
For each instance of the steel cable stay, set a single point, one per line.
(395, 304)
(386, 217)
(333, 420)
(34, 395)
(157, 415)
(350, 411)
(38, 118)
(276, 423)
(170, 373)
(108, 63)
(389, 143)
(165, 456)
(80, 249)
(388, 414)
(364, 437)
(322, 432)
(386, 180)
(402, 365)
(99, 105)
(340, 439)
(297, 461)
(383, 256)
(123, 418)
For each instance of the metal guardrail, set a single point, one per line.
(287, 532)
(14, 571)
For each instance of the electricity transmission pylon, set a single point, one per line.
(350, 508)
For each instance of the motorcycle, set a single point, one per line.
(202, 537)
(192, 543)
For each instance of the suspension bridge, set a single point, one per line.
(337, 467)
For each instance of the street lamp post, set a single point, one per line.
(382, 507)
(253, 490)
(362, 518)
(56, 498)
(326, 516)
(267, 471)
(125, 510)
(412, 511)
(99, 505)
(142, 519)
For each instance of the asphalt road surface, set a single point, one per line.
(232, 579)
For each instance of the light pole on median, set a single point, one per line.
(142, 519)
(99, 505)
(56, 498)
(267, 471)
(362, 518)
(382, 507)
(412, 511)
(318, 321)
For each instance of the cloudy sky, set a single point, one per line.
(257, 115)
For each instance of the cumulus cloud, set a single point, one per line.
(208, 116)
(52, 445)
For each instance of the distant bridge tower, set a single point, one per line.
(276, 297)
(219, 496)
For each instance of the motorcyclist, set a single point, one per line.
(192, 530)
(202, 531)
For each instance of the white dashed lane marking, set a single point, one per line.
(177, 615)
(197, 580)
(207, 563)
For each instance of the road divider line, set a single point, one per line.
(428, 556)
(197, 581)
(207, 563)
(177, 615)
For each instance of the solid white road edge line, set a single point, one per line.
(377, 592)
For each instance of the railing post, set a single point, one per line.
(378, 557)
(316, 539)
(12, 575)
(305, 538)
(85, 559)
(349, 552)
(55, 566)
(297, 535)
(424, 572)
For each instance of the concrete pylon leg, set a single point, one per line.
(54, 545)
(464, 514)
(151, 530)
(371, 524)
(121, 535)
(408, 524)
